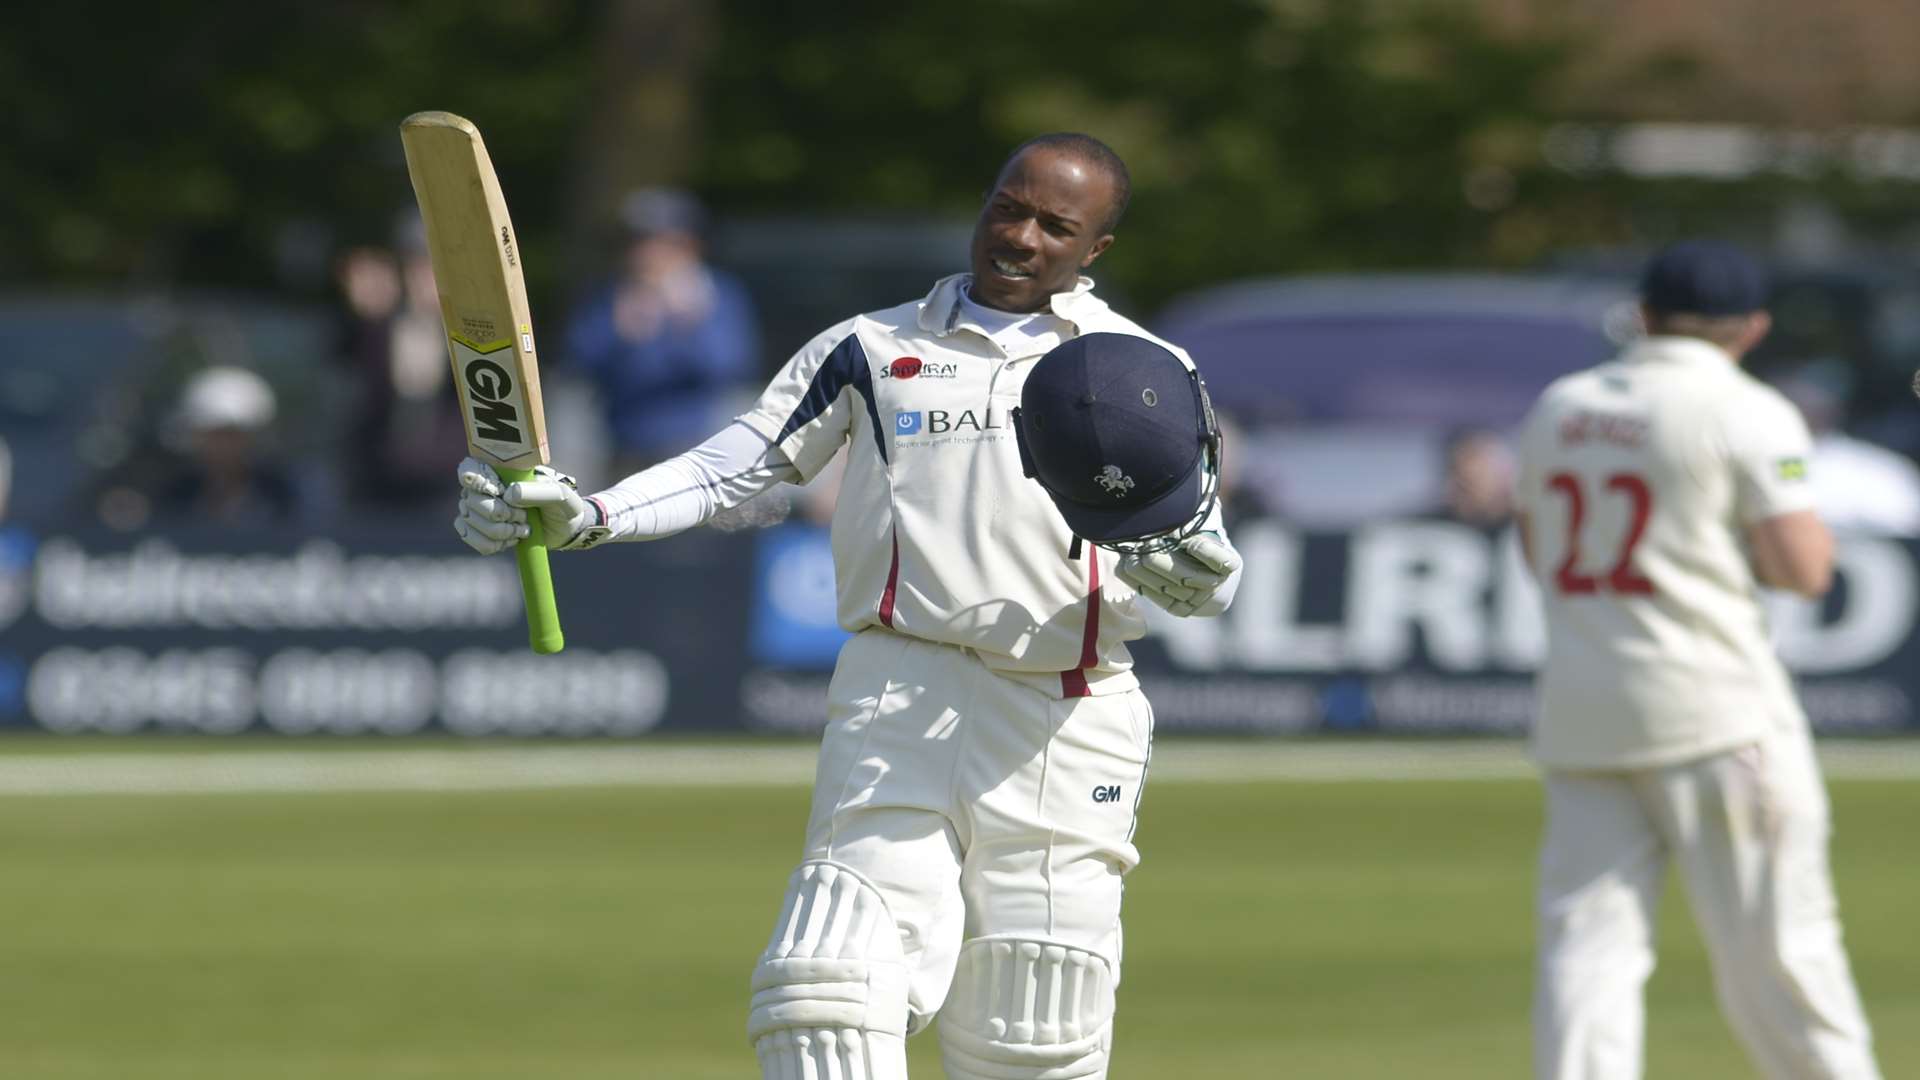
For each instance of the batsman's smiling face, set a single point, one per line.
(1044, 222)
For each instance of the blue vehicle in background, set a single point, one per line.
(1344, 391)
(1347, 390)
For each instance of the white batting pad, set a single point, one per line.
(830, 992)
(830, 1054)
(1027, 1010)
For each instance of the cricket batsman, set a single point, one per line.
(1658, 492)
(986, 742)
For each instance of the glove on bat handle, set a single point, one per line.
(536, 581)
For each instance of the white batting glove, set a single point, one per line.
(1181, 581)
(493, 514)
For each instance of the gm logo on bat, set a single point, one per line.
(494, 417)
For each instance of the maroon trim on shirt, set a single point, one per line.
(893, 582)
(1074, 683)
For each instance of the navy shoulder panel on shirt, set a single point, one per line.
(845, 366)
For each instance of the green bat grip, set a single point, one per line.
(536, 581)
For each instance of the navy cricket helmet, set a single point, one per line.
(1119, 432)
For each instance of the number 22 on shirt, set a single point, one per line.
(1575, 575)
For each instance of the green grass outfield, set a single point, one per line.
(364, 910)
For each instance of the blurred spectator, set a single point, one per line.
(1480, 474)
(669, 341)
(1857, 485)
(404, 430)
(221, 423)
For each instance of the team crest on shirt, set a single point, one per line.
(1113, 481)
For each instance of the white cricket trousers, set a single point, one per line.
(1749, 830)
(989, 825)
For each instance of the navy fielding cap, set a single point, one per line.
(1704, 277)
(1116, 429)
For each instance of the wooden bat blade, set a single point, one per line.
(483, 294)
(483, 304)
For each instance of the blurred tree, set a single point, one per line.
(643, 122)
(244, 145)
(1263, 137)
(238, 147)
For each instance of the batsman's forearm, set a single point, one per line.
(681, 492)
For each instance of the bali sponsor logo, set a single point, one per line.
(912, 367)
(940, 421)
(932, 428)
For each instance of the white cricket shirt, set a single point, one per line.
(937, 533)
(1639, 479)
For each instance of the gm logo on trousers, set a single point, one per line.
(1106, 793)
(906, 423)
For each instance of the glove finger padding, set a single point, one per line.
(508, 531)
(486, 522)
(475, 505)
(1170, 598)
(1178, 569)
(1150, 577)
(1184, 580)
(1212, 553)
(476, 475)
(470, 531)
(540, 492)
(569, 522)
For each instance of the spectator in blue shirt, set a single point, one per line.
(669, 341)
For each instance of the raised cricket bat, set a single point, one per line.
(483, 302)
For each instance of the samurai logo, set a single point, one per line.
(1113, 481)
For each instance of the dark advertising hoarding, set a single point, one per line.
(1399, 627)
(356, 633)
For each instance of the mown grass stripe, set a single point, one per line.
(710, 765)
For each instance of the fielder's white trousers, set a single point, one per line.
(980, 810)
(1748, 829)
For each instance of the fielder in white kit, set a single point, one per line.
(987, 742)
(1657, 492)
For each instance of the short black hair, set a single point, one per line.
(1093, 152)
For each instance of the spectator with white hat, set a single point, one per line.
(222, 422)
